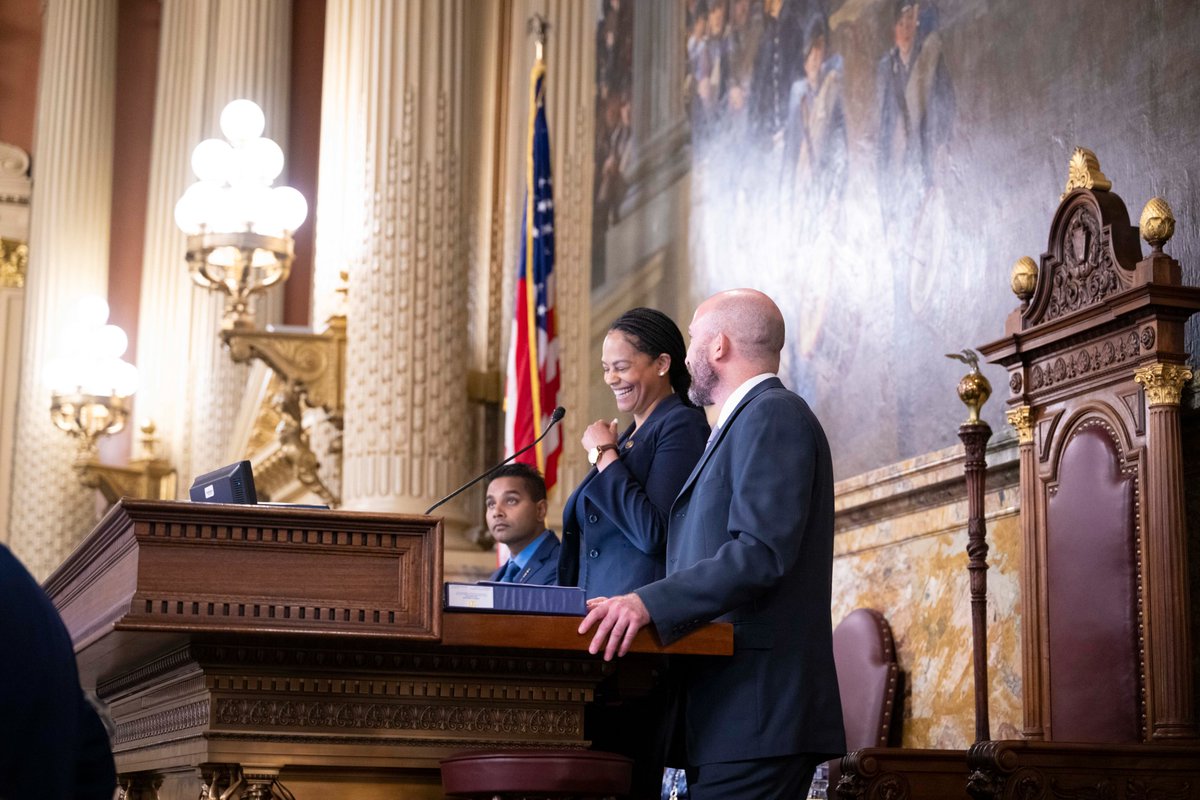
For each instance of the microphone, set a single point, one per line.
(555, 417)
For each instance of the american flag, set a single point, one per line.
(533, 377)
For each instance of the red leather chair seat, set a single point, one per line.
(537, 773)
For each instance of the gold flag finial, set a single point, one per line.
(538, 27)
(1157, 224)
(974, 389)
(1084, 173)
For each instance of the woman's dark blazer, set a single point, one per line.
(621, 543)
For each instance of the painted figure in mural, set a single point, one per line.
(714, 65)
(614, 79)
(617, 161)
(745, 33)
(815, 133)
(916, 113)
(615, 522)
(776, 67)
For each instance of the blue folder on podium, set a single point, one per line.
(514, 598)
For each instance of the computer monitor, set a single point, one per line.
(231, 484)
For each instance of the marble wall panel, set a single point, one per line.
(901, 548)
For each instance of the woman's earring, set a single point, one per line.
(661, 374)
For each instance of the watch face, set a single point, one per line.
(593, 456)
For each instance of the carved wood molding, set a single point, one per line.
(441, 715)
(1098, 357)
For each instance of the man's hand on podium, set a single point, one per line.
(620, 619)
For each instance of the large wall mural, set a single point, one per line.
(878, 166)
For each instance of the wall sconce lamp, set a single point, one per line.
(240, 242)
(239, 228)
(90, 391)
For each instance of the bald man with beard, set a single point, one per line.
(750, 542)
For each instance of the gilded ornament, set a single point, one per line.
(974, 388)
(1084, 173)
(14, 262)
(1157, 224)
(1021, 419)
(1163, 382)
(1024, 279)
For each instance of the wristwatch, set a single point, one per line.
(595, 453)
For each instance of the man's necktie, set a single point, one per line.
(510, 572)
(712, 437)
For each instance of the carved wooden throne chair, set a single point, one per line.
(1096, 364)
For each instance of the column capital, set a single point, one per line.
(1021, 418)
(1163, 382)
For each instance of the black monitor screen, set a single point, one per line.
(231, 484)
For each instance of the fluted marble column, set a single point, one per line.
(253, 47)
(211, 52)
(68, 258)
(391, 123)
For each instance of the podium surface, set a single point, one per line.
(309, 647)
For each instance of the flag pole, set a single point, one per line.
(538, 26)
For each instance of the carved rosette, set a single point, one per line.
(1163, 382)
(1092, 358)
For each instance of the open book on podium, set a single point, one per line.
(514, 598)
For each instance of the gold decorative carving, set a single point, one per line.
(14, 263)
(148, 476)
(1157, 224)
(1024, 279)
(1163, 382)
(1021, 419)
(1083, 172)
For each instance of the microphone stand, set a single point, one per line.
(555, 417)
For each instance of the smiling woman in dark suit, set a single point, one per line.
(615, 522)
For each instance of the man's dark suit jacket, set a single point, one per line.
(542, 567)
(615, 522)
(751, 543)
(52, 743)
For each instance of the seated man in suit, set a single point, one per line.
(516, 517)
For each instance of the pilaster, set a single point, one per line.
(1172, 707)
(1021, 419)
(68, 258)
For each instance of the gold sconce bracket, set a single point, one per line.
(148, 477)
(312, 369)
